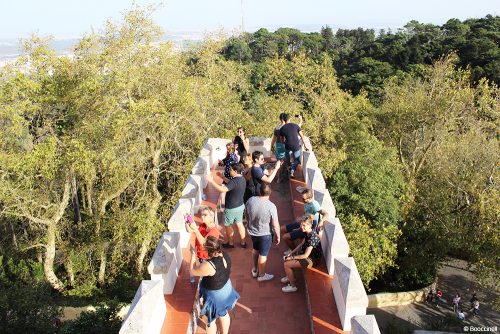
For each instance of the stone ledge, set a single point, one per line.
(364, 324)
(397, 298)
(166, 262)
(148, 309)
(349, 292)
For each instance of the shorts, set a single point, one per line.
(280, 151)
(234, 215)
(295, 231)
(262, 243)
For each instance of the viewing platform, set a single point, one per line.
(330, 297)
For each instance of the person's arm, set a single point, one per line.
(301, 134)
(276, 226)
(220, 188)
(302, 256)
(273, 140)
(296, 249)
(324, 217)
(246, 144)
(199, 237)
(269, 178)
(300, 120)
(203, 269)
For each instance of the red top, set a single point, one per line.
(201, 252)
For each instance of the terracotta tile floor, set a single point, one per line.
(262, 308)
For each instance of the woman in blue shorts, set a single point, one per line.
(217, 296)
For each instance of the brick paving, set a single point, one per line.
(263, 307)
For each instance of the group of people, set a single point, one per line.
(246, 190)
(435, 296)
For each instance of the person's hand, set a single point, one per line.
(278, 164)
(209, 178)
(276, 240)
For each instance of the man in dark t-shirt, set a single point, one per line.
(258, 174)
(233, 212)
(290, 133)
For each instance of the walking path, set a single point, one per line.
(452, 277)
(263, 307)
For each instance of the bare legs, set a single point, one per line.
(224, 322)
(289, 266)
(287, 238)
(230, 233)
(259, 262)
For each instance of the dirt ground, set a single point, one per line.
(452, 277)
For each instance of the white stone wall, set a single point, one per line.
(166, 262)
(148, 310)
(350, 295)
(364, 324)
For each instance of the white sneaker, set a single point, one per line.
(266, 277)
(292, 172)
(289, 288)
(284, 280)
(254, 273)
(287, 252)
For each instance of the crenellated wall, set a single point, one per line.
(350, 296)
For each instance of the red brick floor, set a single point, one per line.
(263, 307)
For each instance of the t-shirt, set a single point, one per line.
(312, 240)
(291, 131)
(313, 209)
(257, 174)
(260, 213)
(201, 252)
(234, 197)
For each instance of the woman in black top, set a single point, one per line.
(217, 295)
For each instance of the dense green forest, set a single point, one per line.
(95, 150)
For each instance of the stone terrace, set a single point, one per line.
(331, 298)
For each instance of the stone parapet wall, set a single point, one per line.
(397, 298)
(349, 293)
(148, 309)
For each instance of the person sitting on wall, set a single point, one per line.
(306, 255)
(292, 232)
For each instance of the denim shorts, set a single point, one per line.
(295, 231)
(262, 243)
(234, 215)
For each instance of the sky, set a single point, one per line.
(72, 18)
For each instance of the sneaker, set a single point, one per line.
(254, 273)
(291, 173)
(266, 277)
(289, 288)
(284, 280)
(287, 252)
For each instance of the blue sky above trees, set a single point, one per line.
(70, 19)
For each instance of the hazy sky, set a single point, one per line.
(72, 18)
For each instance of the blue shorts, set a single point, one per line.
(262, 243)
(296, 232)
